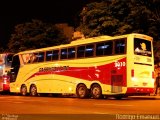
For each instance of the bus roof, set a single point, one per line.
(84, 40)
(88, 40)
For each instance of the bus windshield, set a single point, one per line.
(142, 47)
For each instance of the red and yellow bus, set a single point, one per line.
(5, 67)
(116, 66)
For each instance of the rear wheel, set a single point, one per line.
(96, 91)
(33, 90)
(23, 90)
(82, 91)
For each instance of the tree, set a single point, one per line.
(104, 18)
(35, 34)
(118, 17)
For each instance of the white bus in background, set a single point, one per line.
(5, 67)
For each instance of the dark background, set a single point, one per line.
(13, 12)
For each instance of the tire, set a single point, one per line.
(23, 90)
(118, 97)
(96, 91)
(82, 91)
(33, 90)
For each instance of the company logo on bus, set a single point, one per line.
(143, 46)
(59, 68)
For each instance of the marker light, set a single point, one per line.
(132, 73)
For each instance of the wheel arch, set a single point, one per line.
(95, 83)
(81, 84)
(24, 85)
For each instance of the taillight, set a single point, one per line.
(152, 74)
(6, 80)
(132, 73)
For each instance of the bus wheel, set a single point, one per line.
(23, 90)
(33, 90)
(82, 91)
(96, 91)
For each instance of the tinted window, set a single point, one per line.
(34, 57)
(89, 50)
(49, 55)
(55, 54)
(99, 49)
(40, 57)
(142, 47)
(104, 48)
(80, 51)
(120, 46)
(71, 53)
(63, 53)
(108, 46)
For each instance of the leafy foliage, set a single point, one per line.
(35, 34)
(116, 17)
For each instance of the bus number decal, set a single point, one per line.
(119, 64)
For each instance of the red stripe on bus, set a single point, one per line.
(113, 73)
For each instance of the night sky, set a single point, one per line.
(14, 12)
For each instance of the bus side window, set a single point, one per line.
(26, 58)
(120, 46)
(89, 50)
(40, 57)
(100, 49)
(104, 48)
(63, 53)
(49, 55)
(71, 53)
(80, 51)
(55, 54)
(33, 57)
(108, 46)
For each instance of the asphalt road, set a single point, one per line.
(37, 108)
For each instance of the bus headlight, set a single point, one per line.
(70, 88)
